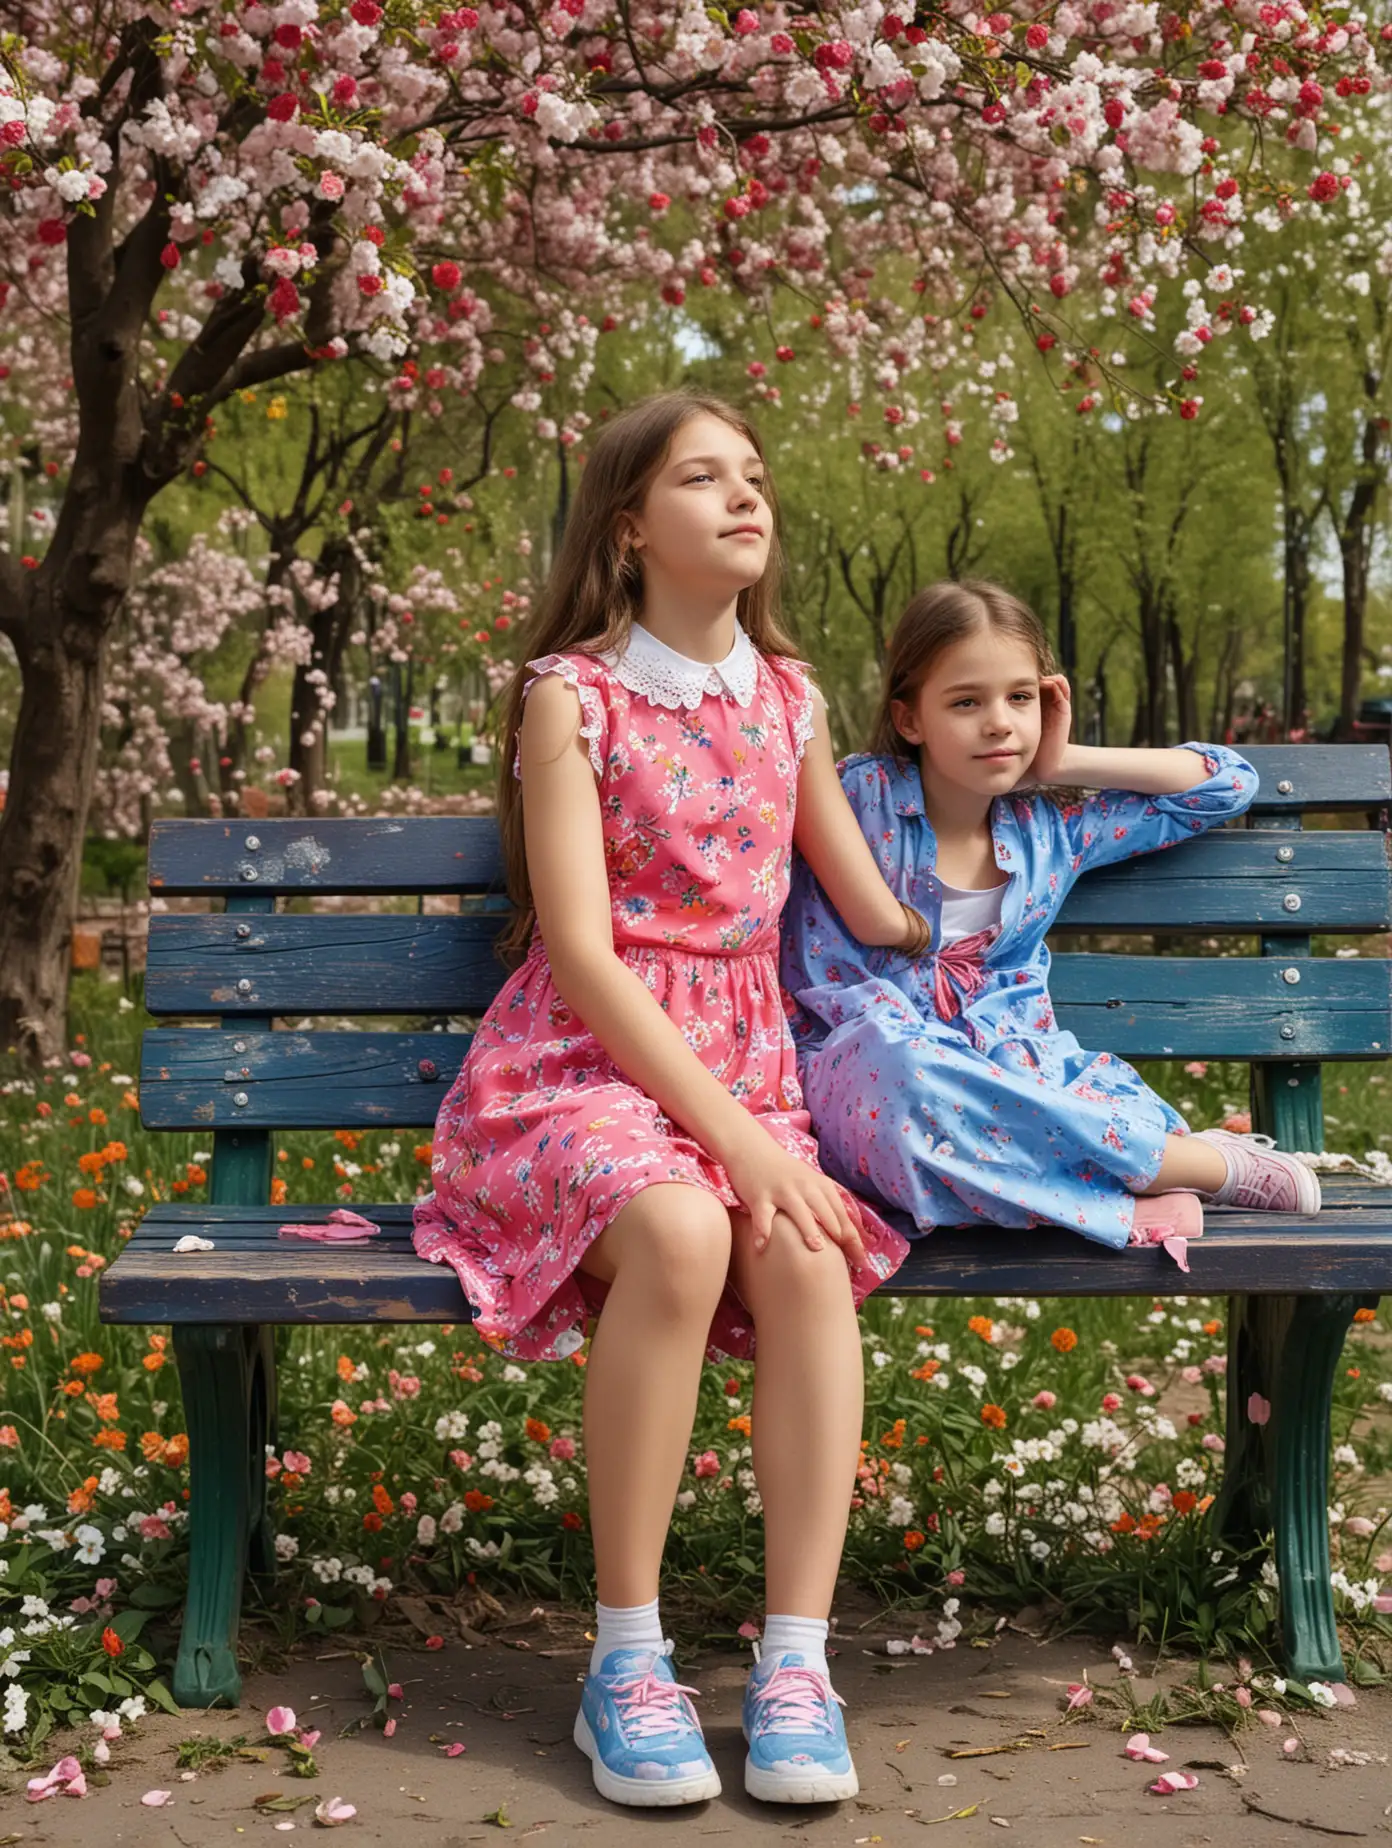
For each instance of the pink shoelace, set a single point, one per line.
(649, 1706)
(794, 1700)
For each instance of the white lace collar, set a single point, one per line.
(666, 678)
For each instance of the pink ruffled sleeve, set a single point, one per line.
(577, 672)
(796, 685)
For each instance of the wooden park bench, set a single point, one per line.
(1294, 1284)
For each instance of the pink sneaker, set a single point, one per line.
(1262, 1178)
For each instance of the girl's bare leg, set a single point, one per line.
(809, 1396)
(1197, 1167)
(665, 1258)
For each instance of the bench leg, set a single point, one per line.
(1276, 1477)
(226, 1411)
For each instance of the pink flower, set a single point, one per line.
(1360, 1526)
(562, 1450)
(394, 1691)
(1382, 1603)
(1212, 1441)
(1079, 1695)
(957, 1577)
(453, 1749)
(1110, 1402)
(280, 1720)
(153, 1528)
(1169, 1782)
(1139, 1383)
(1258, 1409)
(1197, 1068)
(64, 1780)
(389, 1728)
(103, 1588)
(156, 1799)
(1044, 1401)
(707, 1464)
(1240, 1122)
(334, 1810)
(1243, 1696)
(749, 1631)
(308, 1737)
(1268, 1717)
(1139, 1746)
(297, 1461)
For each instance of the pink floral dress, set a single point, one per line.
(541, 1139)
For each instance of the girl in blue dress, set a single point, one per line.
(944, 1086)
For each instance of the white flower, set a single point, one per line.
(286, 1546)
(451, 1427)
(16, 1706)
(1322, 1694)
(133, 1708)
(514, 1376)
(90, 1544)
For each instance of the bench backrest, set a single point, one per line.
(249, 964)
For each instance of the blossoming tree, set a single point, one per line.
(205, 197)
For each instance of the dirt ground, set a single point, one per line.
(510, 1699)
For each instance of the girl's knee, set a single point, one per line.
(677, 1241)
(788, 1271)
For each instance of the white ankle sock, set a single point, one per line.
(635, 1626)
(804, 1636)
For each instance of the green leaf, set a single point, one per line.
(160, 1695)
(98, 1680)
(375, 1680)
(152, 1597)
(128, 1624)
(499, 1817)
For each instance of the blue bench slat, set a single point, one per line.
(190, 1079)
(1232, 880)
(376, 963)
(429, 853)
(440, 855)
(1321, 776)
(252, 1276)
(1226, 1007)
(1140, 1006)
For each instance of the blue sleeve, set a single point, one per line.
(830, 975)
(1115, 824)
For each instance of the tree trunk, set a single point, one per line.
(1151, 698)
(330, 628)
(1297, 606)
(52, 768)
(1355, 535)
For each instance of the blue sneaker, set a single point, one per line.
(641, 1733)
(797, 1742)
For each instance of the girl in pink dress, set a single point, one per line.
(627, 1134)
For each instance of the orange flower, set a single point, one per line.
(1212, 1328)
(994, 1416)
(92, 1163)
(114, 1151)
(110, 1440)
(538, 1432)
(1364, 1315)
(81, 1499)
(476, 1501)
(151, 1444)
(913, 1540)
(894, 1439)
(112, 1643)
(279, 1191)
(176, 1450)
(927, 1370)
(1124, 1524)
(925, 1331)
(423, 1152)
(373, 1523)
(742, 1424)
(72, 1388)
(1184, 1501)
(342, 1414)
(105, 1406)
(381, 1501)
(307, 1163)
(196, 1175)
(346, 1367)
(25, 1337)
(86, 1364)
(30, 1177)
(152, 1362)
(982, 1325)
(350, 1138)
(1064, 1340)
(98, 1116)
(84, 1197)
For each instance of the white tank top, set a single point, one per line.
(966, 912)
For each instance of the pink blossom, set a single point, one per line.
(297, 1461)
(562, 1449)
(1110, 1402)
(153, 1528)
(1169, 1782)
(707, 1464)
(1360, 1526)
(1079, 1695)
(280, 1720)
(453, 1749)
(1139, 1746)
(64, 1780)
(1045, 1401)
(156, 1799)
(1258, 1409)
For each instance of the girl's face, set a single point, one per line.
(704, 524)
(976, 716)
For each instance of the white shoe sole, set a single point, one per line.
(816, 1787)
(643, 1792)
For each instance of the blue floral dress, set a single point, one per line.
(945, 1087)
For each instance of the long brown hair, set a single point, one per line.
(595, 590)
(937, 617)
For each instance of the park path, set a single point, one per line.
(511, 1701)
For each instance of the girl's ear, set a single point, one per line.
(904, 721)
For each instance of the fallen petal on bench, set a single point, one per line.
(192, 1242)
(341, 1228)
